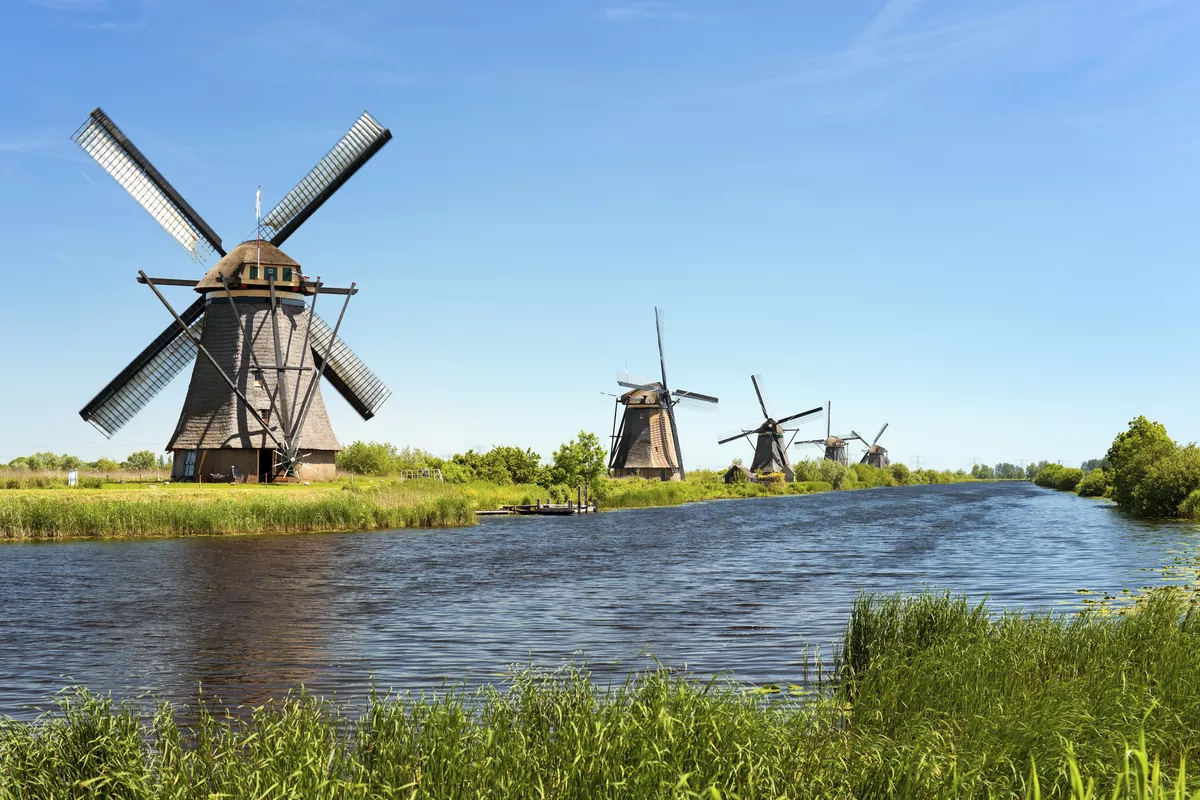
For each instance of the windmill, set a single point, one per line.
(834, 446)
(875, 456)
(770, 452)
(647, 442)
(254, 403)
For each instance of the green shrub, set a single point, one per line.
(1132, 454)
(1067, 478)
(1094, 484)
(900, 473)
(1166, 484)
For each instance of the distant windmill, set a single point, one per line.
(770, 451)
(876, 456)
(647, 442)
(835, 446)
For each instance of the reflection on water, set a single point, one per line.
(738, 586)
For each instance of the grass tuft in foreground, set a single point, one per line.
(937, 698)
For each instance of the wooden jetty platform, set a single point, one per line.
(543, 509)
(582, 506)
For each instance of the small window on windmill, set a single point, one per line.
(254, 273)
(258, 379)
(287, 274)
(265, 413)
(271, 273)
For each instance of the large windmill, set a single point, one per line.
(254, 404)
(647, 442)
(875, 456)
(770, 451)
(834, 446)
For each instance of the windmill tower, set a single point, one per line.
(834, 446)
(254, 404)
(647, 442)
(770, 451)
(875, 456)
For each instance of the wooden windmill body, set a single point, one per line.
(833, 447)
(254, 408)
(771, 441)
(876, 455)
(646, 442)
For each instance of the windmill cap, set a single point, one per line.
(251, 252)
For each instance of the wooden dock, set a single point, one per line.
(544, 509)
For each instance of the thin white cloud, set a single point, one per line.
(22, 145)
(637, 11)
(72, 5)
(890, 16)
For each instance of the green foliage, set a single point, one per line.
(1094, 463)
(1009, 472)
(1032, 470)
(1056, 476)
(934, 698)
(901, 474)
(106, 465)
(1132, 454)
(1167, 483)
(142, 461)
(580, 460)
(982, 472)
(1094, 484)
(363, 458)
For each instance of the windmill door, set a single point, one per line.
(266, 465)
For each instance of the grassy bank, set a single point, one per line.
(189, 509)
(139, 509)
(934, 698)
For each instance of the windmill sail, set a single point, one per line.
(146, 375)
(364, 139)
(101, 139)
(346, 372)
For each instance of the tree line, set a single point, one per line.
(1145, 472)
(139, 461)
(578, 461)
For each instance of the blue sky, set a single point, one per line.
(973, 220)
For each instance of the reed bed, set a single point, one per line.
(934, 698)
(187, 509)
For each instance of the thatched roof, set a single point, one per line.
(252, 252)
(649, 396)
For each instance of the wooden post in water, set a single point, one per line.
(579, 495)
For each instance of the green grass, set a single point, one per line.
(190, 509)
(936, 698)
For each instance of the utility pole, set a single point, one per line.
(918, 460)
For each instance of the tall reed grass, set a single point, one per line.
(935, 698)
(188, 509)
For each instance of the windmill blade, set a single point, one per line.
(881, 430)
(635, 382)
(696, 402)
(662, 359)
(702, 398)
(730, 437)
(812, 415)
(364, 139)
(756, 380)
(101, 139)
(854, 435)
(346, 371)
(145, 376)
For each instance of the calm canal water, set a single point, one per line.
(737, 586)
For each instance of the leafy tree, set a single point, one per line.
(106, 465)
(20, 463)
(901, 473)
(982, 472)
(1009, 472)
(579, 460)
(71, 462)
(363, 458)
(1167, 483)
(1132, 455)
(505, 465)
(1094, 463)
(1094, 484)
(141, 461)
